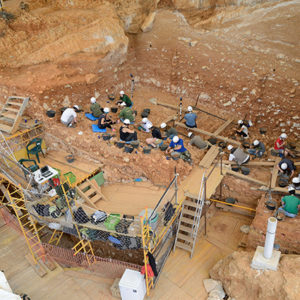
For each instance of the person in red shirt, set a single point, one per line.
(280, 146)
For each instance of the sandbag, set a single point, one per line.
(80, 216)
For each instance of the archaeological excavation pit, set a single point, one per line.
(79, 206)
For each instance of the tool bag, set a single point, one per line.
(98, 217)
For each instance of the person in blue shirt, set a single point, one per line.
(190, 118)
(177, 150)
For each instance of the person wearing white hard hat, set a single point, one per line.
(168, 132)
(156, 139)
(296, 183)
(290, 204)
(190, 118)
(126, 113)
(280, 146)
(124, 98)
(286, 167)
(145, 125)
(127, 134)
(104, 120)
(197, 141)
(238, 155)
(177, 150)
(242, 130)
(69, 116)
(95, 108)
(258, 149)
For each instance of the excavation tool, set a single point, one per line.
(197, 100)
(132, 85)
(180, 108)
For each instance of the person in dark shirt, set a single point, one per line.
(168, 133)
(156, 139)
(258, 149)
(286, 167)
(127, 134)
(124, 98)
(104, 120)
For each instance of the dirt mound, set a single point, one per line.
(242, 282)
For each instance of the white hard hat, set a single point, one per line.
(149, 126)
(163, 125)
(190, 134)
(284, 166)
(144, 120)
(190, 108)
(175, 139)
(240, 122)
(283, 136)
(256, 142)
(296, 180)
(76, 107)
(291, 188)
(123, 104)
(93, 100)
(229, 147)
(106, 110)
(126, 121)
(122, 93)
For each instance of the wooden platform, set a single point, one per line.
(192, 184)
(79, 167)
(209, 157)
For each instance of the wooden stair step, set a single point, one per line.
(190, 202)
(187, 220)
(183, 246)
(15, 103)
(5, 128)
(96, 198)
(186, 228)
(185, 237)
(90, 192)
(8, 115)
(188, 212)
(11, 109)
(84, 185)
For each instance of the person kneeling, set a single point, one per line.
(290, 204)
(258, 149)
(156, 139)
(127, 134)
(177, 150)
(104, 120)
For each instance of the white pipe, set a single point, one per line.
(270, 237)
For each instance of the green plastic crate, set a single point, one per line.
(71, 177)
(112, 221)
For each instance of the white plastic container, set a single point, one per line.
(132, 285)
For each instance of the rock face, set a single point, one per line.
(187, 4)
(242, 282)
(58, 35)
(287, 232)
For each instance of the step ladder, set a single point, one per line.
(90, 192)
(83, 246)
(189, 221)
(11, 113)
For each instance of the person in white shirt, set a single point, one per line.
(243, 129)
(146, 125)
(69, 116)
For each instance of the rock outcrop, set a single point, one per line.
(242, 282)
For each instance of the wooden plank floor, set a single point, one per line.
(57, 160)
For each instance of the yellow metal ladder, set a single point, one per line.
(16, 201)
(84, 246)
(146, 239)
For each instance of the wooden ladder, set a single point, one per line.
(11, 113)
(91, 192)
